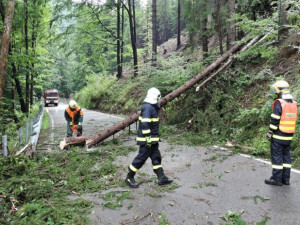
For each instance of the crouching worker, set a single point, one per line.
(74, 117)
(147, 139)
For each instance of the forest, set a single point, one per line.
(105, 54)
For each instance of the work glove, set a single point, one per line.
(71, 123)
(79, 127)
(148, 142)
(269, 135)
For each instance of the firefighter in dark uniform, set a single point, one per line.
(147, 139)
(74, 117)
(281, 131)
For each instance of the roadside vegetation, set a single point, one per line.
(36, 191)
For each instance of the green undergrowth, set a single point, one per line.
(36, 191)
(235, 218)
(46, 121)
(114, 199)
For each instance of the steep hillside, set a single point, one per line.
(234, 106)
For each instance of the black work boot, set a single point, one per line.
(285, 182)
(130, 181)
(273, 182)
(162, 178)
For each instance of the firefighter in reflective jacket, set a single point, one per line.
(147, 139)
(74, 117)
(281, 131)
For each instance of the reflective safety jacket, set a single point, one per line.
(75, 116)
(148, 124)
(283, 120)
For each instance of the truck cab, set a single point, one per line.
(51, 97)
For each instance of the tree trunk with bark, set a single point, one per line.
(119, 75)
(204, 36)
(122, 40)
(231, 34)
(282, 15)
(154, 33)
(133, 37)
(178, 24)
(33, 45)
(27, 88)
(5, 39)
(218, 26)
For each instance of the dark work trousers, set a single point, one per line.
(144, 153)
(280, 155)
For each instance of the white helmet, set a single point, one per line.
(72, 104)
(153, 96)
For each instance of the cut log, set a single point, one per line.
(63, 144)
(75, 139)
(176, 93)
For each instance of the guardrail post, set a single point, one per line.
(26, 133)
(20, 138)
(4, 145)
(30, 128)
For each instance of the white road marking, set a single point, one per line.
(52, 125)
(257, 159)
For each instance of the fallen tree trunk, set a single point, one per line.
(229, 61)
(176, 93)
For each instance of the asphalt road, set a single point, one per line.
(211, 182)
(93, 122)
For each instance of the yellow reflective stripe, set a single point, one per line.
(156, 167)
(286, 128)
(133, 168)
(146, 131)
(275, 116)
(148, 120)
(155, 139)
(273, 127)
(282, 138)
(287, 122)
(144, 139)
(287, 165)
(277, 167)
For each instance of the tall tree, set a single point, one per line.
(5, 39)
(27, 88)
(219, 23)
(178, 24)
(132, 23)
(282, 15)
(204, 36)
(119, 65)
(231, 34)
(154, 33)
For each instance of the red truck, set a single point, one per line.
(51, 97)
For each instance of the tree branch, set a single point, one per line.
(99, 20)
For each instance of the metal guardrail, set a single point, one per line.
(32, 131)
